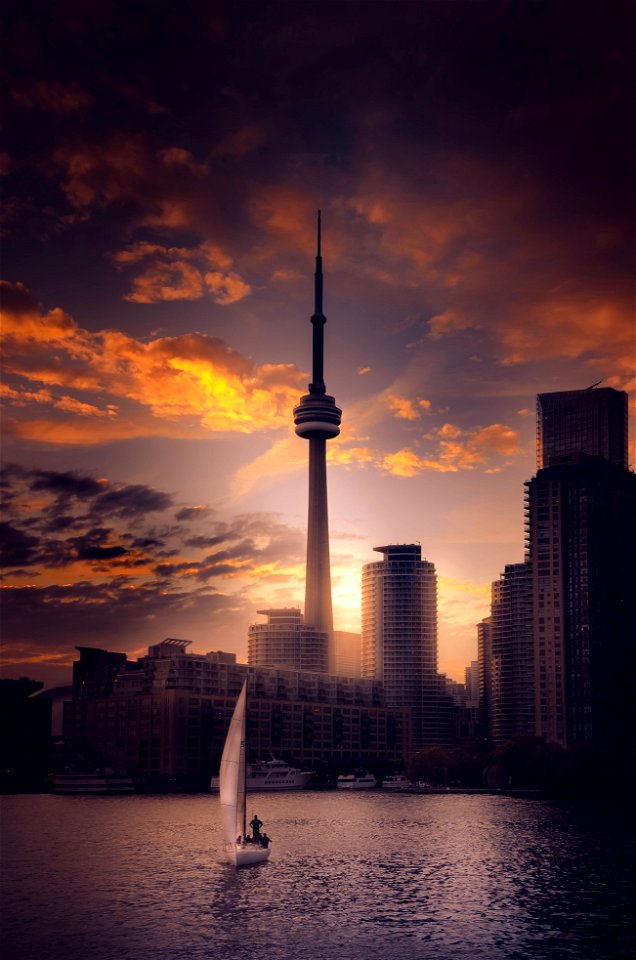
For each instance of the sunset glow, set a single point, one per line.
(158, 262)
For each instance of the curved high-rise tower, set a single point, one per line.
(399, 636)
(317, 419)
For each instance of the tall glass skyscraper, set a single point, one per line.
(581, 529)
(593, 422)
(511, 666)
(399, 636)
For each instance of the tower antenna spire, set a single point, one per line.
(318, 321)
(318, 275)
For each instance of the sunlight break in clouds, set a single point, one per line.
(456, 450)
(173, 377)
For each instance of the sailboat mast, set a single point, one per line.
(245, 760)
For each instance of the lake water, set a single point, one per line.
(351, 876)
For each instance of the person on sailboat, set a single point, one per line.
(256, 825)
(265, 841)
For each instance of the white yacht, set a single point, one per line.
(397, 782)
(358, 780)
(99, 782)
(272, 774)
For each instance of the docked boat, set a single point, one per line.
(99, 782)
(397, 782)
(265, 775)
(358, 780)
(241, 850)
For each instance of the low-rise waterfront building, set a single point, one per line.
(166, 716)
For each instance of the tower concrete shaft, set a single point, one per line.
(318, 608)
(317, 419)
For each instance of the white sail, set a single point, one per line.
(232, 773)
(242, 851)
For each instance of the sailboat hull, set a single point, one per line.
(247, 855)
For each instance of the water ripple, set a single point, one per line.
(373, 877)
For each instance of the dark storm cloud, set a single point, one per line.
(99, 497)
(94, 545)
(118, 614)
(242, 555)
(19, 548)
(41, 536)
(144, 543)
(129, 501)
(16, 547)
(48, 533)
(65, 485)
(61, 523)
(100, 553)
(518, 79)
(192, 513)
(203, 542)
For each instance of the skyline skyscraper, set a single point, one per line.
(511, 669)
(581, 518)
(317, 419)
(592, 421)
(582, 550)
(484, 658)
(399, 637)
(557, 655)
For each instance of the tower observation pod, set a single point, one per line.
(317, 419)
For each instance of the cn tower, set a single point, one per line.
(317, 419)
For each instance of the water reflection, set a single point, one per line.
(353, 877)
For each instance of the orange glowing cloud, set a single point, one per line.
(173, 378)
(167, 281)
(22, 320)
(83, 433)
(168, 189)
(406, 409)
(283, 212)
(226, 287)
(403, 463)
(178, 273)
(573, 327)
(416, 230)
(458, 450)
(346, 456)
(537, 302)
(403, 408)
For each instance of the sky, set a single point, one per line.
(162, 167)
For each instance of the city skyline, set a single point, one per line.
(472, 165)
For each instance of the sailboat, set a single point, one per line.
(232, 787)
